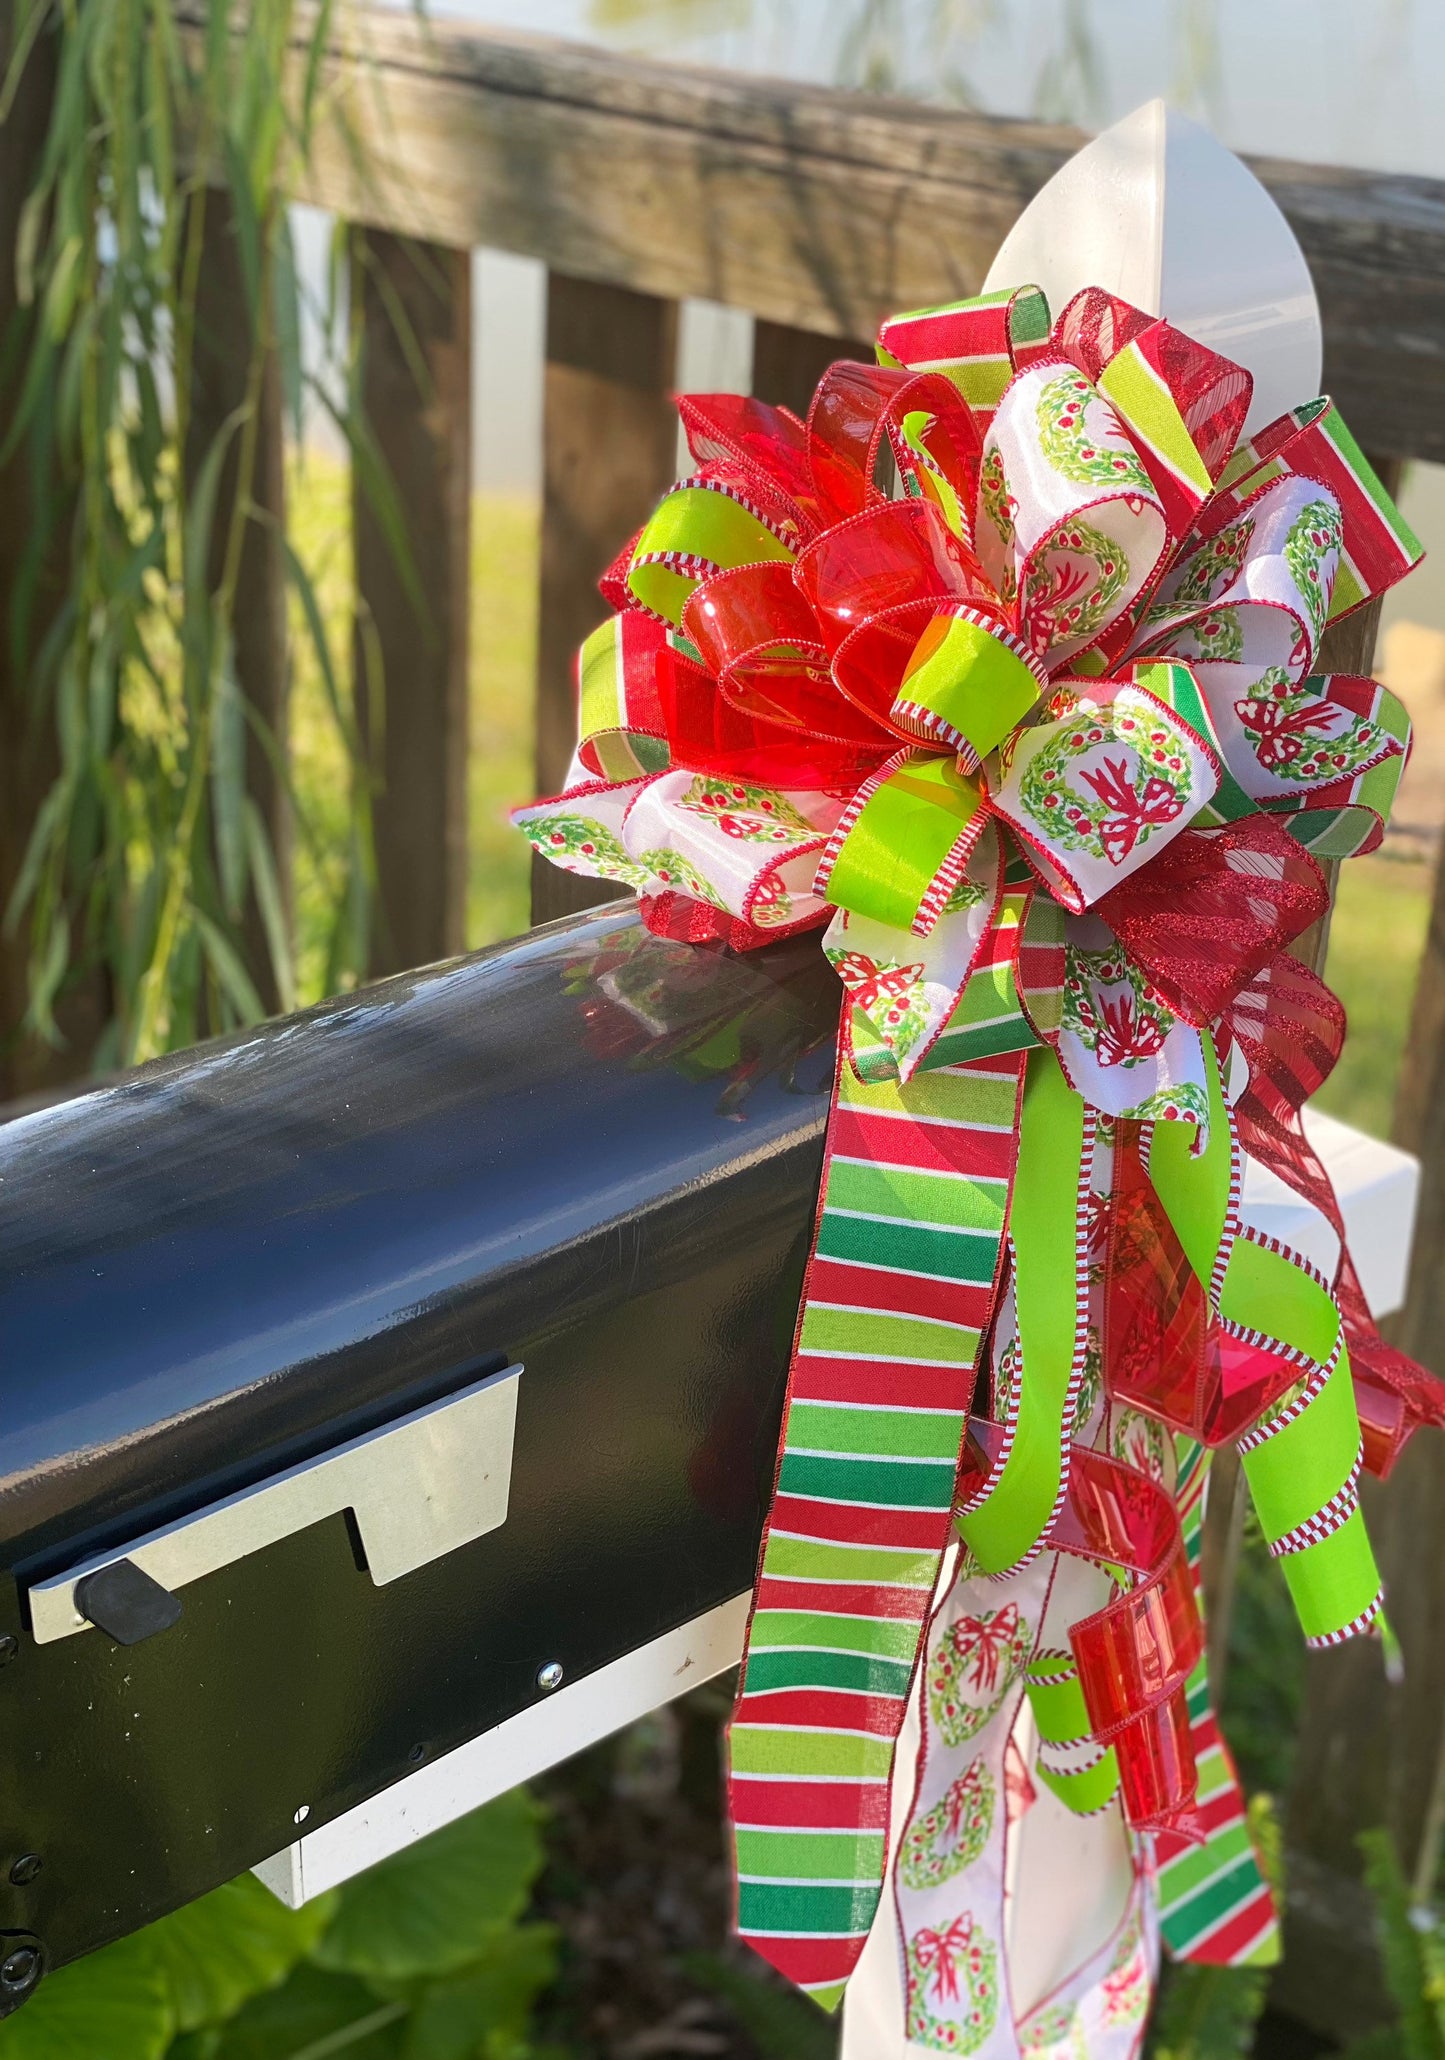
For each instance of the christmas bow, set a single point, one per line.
(1042, 743)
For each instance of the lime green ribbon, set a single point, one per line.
(1009, 1516)
(696, 531)
(965, 685)
(1056, 1697)
(1303, 1460)
(901, 836)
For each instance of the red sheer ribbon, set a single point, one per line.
(1164, 1352)
(1290, 1029)
(687, 921)
(1213, 909)
(1136, 1654)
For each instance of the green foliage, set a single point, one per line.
(423, 1958)
(429, 1910)
(217, 1952)
(1265, 1681)
(1377, 936)
(117, 2003)
(149, 852)
(1209, 2013)
(781, 2024)
(1412, 1957)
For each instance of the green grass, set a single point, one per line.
(505, 540)
(1382, 911)
(503, 645)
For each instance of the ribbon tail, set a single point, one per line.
(899, 1292)
(1275, 1327)
(1216, 1906)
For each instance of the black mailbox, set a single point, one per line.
(368, 1374)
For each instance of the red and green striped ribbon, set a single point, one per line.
(899, 1291)
(1215, 1904)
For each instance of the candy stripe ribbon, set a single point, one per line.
(1215, 1905)
(898, 1293)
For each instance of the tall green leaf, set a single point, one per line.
(235, 1943)
(315, 2015)
(145, 862)
(116, 2003)
(435, 1907)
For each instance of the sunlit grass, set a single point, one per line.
(1377, 933)
(319, 521)
(503, 643)
(505, 541)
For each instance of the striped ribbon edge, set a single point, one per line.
(1319, 1531)
(899, 1291)
(1215, 1905)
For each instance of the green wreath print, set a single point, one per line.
(1291, 731)
(1111, 1008)
(1217, 637)
(1141, 783)
(582, 836)
(892, 996)
(953, 1970)
(970, 1668)
(1316, 534)
(1210, 570)
(997, 504)
(771, 905)
(1060, 601)
(756, 815)
(1065, 438)
(1185, 1102)
(951, 1835)
(678, 873)
(1054, 2032)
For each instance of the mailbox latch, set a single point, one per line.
(418, 1488)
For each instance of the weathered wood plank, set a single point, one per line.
(609, 444)
(413, 301)
(221, 369)
(788, 363)
(813, 208)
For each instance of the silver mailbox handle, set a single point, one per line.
(418, 1488)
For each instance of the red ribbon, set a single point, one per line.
(1136, 1654)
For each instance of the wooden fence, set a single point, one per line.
(639, 184)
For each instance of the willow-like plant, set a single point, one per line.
(149, 850)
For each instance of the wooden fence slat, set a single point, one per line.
(609, 448)
(788, 363)
(414, 303)
(220, 373)
(806, 206)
